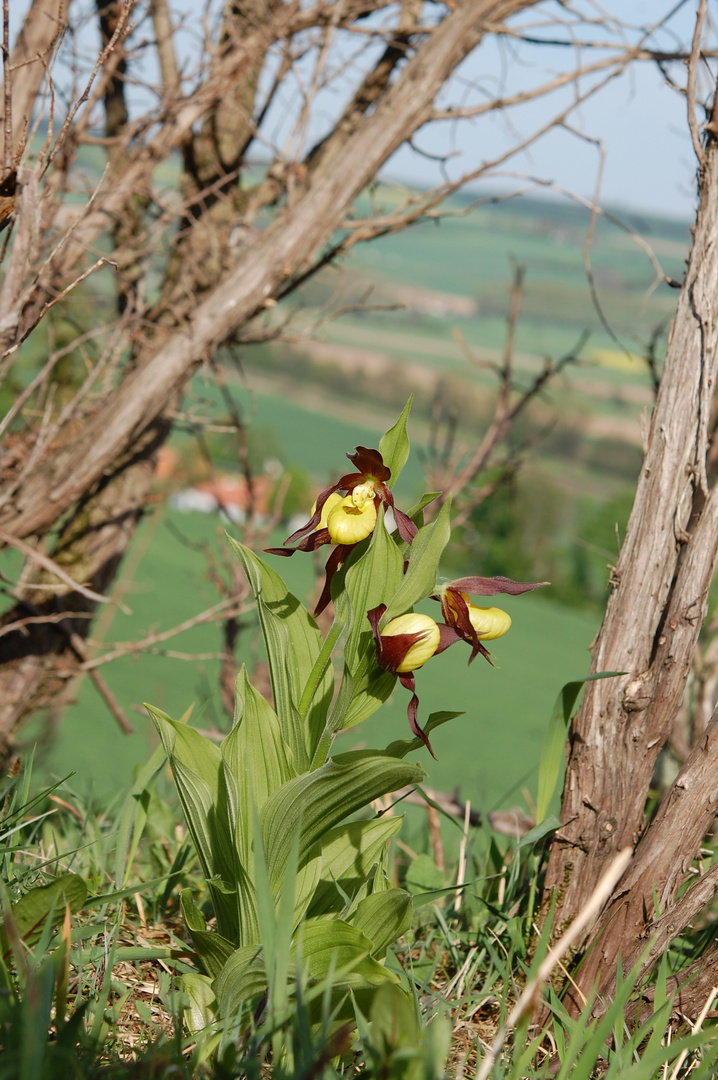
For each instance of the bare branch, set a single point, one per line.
(691, 86)
(53, 568)
(125, 648)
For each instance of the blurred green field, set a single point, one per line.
(471, 252)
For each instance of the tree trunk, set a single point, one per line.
(650, 630)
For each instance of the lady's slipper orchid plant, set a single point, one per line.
(275, 780)
(346, 521)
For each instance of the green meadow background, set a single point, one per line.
(429, 317)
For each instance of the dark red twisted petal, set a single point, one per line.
(456, 613)
(369, 463)
(391, 651)
(316, 516)
(309, 543)
(490, 586)
(405, 526)
(448, 636)
(333, 563)
(374, 617)
(409, 683)
(479, 648)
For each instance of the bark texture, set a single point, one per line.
(650, 631)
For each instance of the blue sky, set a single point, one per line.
(649, 163)
(640, 122)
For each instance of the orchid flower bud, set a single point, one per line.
(423, 648)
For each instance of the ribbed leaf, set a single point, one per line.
(394, 445)
(323, 948)
(424, 555)
(366, 691)
(332, 947)
(307, 880)
(293, 643)
(213, 950)
(197, 768)
(324, 797)
(247, 917)
(394, 1026)
(348, 853)
(201, 1011)
(256, 754)
(383, 917)
(242, 979)
(32, 909)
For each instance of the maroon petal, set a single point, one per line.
(490, 586)
(391, 651)
(369, 463)
(334, 561)
(479, 648)
(456, 613)
(449, 636)
(309, 543)
(405, 526)
(409, 683)
(316, 516)
(349, 481)
(374, 617)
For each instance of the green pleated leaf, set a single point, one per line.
(256, 754)
(394, 1026)
(369, 582)
(306, 882)
(424, 555)
(348, 853)
(242, 979)
(368, 687)
(324, 948)
(32, 909)
(198, 770)
(202, 1008)
(383, 917)
(247, 917)
(332, 947)
(394, 445)
(293, 642)
(213, 950)
(324, 797)
(196, 764)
